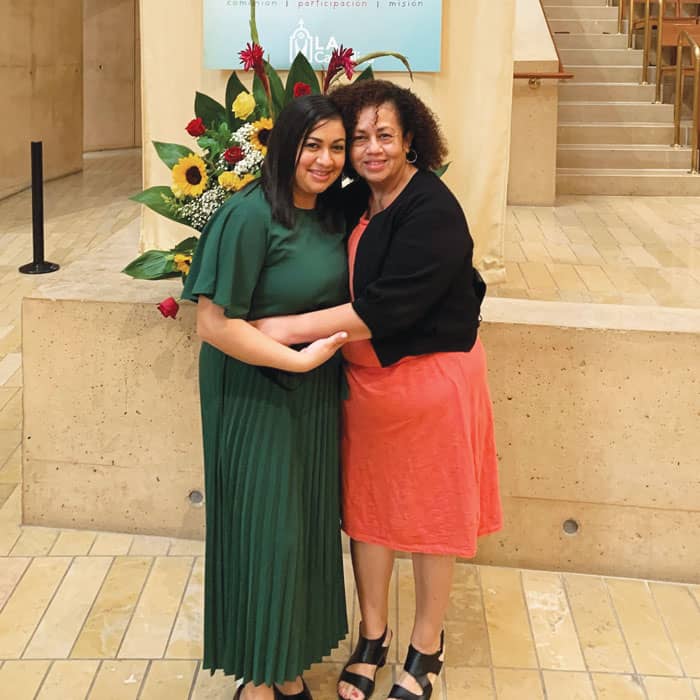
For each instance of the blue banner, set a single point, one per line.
(316, 27)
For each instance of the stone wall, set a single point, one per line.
(41, 46)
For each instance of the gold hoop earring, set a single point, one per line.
(411, 156)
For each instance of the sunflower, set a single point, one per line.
(182, 263)
(189, 176)
(232, 182)
(261, 134)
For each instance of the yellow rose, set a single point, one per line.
(243, 105)
(231, 181)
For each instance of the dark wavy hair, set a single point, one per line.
(292, 127)
(414, 115)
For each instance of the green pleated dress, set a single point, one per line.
(274, 600)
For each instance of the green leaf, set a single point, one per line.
(159, 199)
(263, 109)
(224, 133)
(367, 74)
(188, 246)
(386, 54)
(170, 153)
(301, 72)
(233, 88)
(152, 265)
(209, 143)
(276, 88)
(211, 112)
(442, 169)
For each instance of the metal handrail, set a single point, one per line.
(620, 14)
(660, 68)
(630, 29)
(535, 76)
(694, 54)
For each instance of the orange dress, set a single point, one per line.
(420, 471)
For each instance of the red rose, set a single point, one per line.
(233, 155)
(301, 89)
(169, 307)
(196, 127)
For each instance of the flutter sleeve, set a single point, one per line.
(230, 255)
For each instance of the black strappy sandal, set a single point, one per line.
(279, 695)
(303, 695)
(367, 651)
(419, 666)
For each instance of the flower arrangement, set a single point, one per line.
(232, 140)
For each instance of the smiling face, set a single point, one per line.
(379, 146)
(320, 161)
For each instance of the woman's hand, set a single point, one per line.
(275, 327)
(320, 351)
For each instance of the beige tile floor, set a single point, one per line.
(109, 616)
(610, 250)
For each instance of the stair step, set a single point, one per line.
(604, 92)
(606, 112)
(663, 183)
(606, 74)
(583, 26)
(622, 133)
(591, 41)
(623, 156)
(581, 12)
(601, 57)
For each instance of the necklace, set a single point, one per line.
(381, 200)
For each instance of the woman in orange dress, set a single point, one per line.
(419, 457)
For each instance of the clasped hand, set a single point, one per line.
(313, 355)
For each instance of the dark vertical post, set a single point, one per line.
(38, 266)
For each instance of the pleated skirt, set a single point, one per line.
(274, 599)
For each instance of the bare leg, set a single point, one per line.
(292, 687)
(265, 692)
(372, 565)
(257, 692)
(432, 574)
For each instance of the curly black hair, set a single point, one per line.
(414, 116)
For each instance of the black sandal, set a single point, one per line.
(305, 694)
(279, 695)
(367, 651)
(419, 666)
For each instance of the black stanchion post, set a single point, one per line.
(38, 266)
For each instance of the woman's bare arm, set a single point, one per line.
(241, 340)
(304, 328)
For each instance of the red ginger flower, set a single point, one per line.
(196, 127)
(169, 307)
(252, 56)
(301, 89)
(233, 155)
(341, 60)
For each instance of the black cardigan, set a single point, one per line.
(413, 283)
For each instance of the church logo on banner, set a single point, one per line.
(313, 47)
(316, 27)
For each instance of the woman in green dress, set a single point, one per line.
(274, 599)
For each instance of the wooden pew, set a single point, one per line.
(668, 31)
(655, 12)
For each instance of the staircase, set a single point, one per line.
(612, 139)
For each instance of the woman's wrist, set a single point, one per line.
(295, 361)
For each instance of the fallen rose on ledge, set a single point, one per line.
(169, 307)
